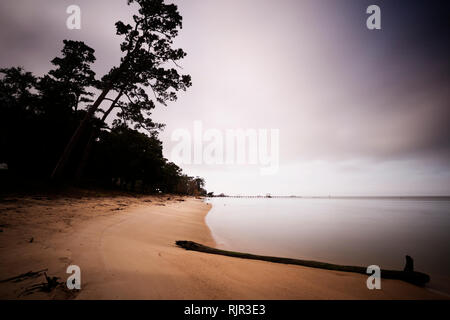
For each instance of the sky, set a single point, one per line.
(358, 111)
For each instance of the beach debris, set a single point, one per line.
(52, 285)
(409, 266)
(48, 286)
(23, 276)
(414, 277)
(52, 282)
(31, 240)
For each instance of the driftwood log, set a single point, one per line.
(414, 277)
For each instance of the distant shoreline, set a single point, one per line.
(444, 198)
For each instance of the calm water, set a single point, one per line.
(343, 231)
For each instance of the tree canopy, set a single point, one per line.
(148, 53)
(65, 111)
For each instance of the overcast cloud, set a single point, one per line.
(359, 112)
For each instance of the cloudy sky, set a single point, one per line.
(359, 112)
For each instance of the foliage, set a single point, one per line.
(39, 115)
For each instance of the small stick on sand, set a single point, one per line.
(23, 276)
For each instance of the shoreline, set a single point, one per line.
(126, 249)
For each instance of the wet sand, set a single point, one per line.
(125, 247)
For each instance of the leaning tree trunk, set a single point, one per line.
(64, 159)
(90, 143)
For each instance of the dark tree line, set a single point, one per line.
(72, 126)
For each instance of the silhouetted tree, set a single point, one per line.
(38, 115)
(18, 113)
(73, 73)
(147, 48)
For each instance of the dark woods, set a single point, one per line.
(71, 126)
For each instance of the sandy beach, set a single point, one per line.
(125, 247)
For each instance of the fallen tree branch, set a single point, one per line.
(414, 277)
(51, 284)
(23, 276)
